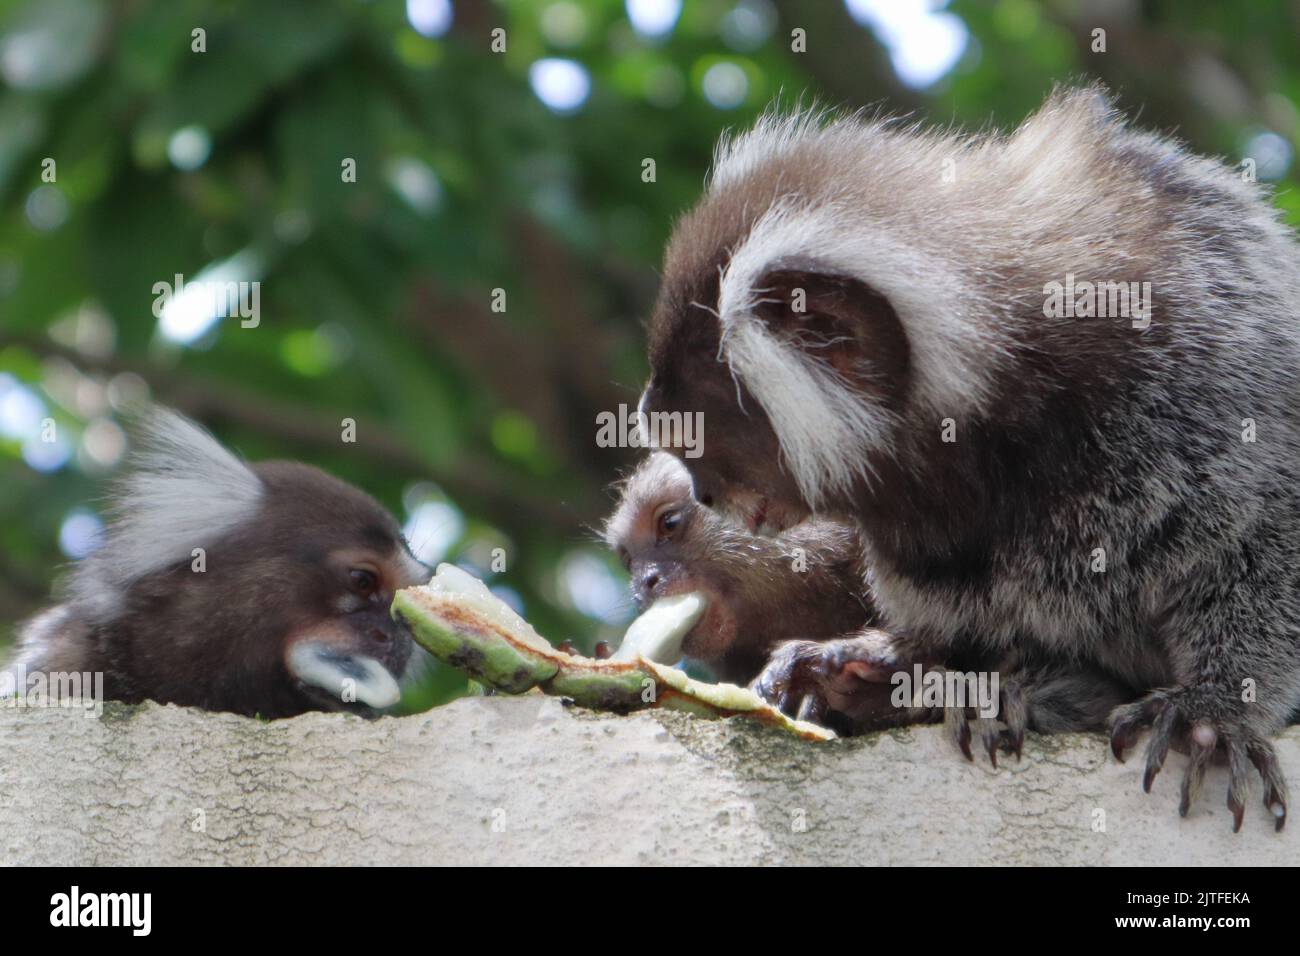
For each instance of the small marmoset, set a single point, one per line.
(808, 582)
(262, 589)
(788, 605)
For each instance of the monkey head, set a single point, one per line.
(815, 328)
(325, 561)
(807, 583)
(765, 455)
(254, 588)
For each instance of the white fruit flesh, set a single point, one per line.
(657, 634)
(462, 587)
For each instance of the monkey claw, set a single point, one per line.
(1182, 718)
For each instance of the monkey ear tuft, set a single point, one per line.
(1091, 105)
(182, 490)
(344, 677)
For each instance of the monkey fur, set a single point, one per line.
(857, 309)
(284, 609)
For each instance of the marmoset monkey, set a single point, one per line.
(808, 582)
(811, 582)
(254, 588)
(870, 319)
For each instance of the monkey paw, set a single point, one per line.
(1006, 732)
(843, 683)
(1195, 721)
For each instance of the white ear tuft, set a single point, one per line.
(824, 428)
(182, 491)
(739, 155)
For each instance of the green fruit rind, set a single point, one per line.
(492, 645)
(466, 644)
(621, 688)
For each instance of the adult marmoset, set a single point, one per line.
(868, 317)
(254, 588)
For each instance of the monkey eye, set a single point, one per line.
(364, 582)
(668, 522)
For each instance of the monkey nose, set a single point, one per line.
(380, 636)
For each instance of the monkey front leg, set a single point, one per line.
(849, 684)
(853, 685)
(1042, 693)
(865, 682)
(845, 683)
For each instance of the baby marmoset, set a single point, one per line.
(808, 582)
(806, 594)
(255, 588)
(868, 317)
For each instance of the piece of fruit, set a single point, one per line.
(458, 620)
(658, 633)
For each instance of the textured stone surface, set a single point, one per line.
(525, 780)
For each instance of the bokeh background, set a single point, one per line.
(475, 171)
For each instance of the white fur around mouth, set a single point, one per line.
(350, 677)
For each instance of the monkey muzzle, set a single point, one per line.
(351, 663)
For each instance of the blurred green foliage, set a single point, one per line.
(377, 295)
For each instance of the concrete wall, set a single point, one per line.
(526, 780)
